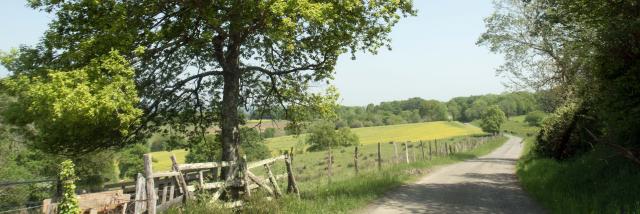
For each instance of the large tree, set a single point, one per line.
(197, 62)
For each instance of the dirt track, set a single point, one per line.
(484, 185)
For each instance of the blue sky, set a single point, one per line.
(434, 55)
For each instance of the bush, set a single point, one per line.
(535, 118)
(562, 134)
(131, 162)
(322, 135)
(355, 124)
(210, 149)
(268, 133)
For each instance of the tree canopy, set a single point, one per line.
(492, 119)
(197, 62)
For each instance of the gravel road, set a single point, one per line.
(483, 185)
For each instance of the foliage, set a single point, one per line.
(492, 119)
(197, 62)
(69, 202)
(268, 133)
(535, 118)
(130, 160)
(80, 110)
(209, 149)
(575, 50)
(322, 135)
(562, 134)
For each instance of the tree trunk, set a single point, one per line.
(229, 118)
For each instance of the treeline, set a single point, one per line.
(414, 110)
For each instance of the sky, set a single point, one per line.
(433, 55)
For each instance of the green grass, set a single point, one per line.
(162, 160)
(595, 182)
(346, 192)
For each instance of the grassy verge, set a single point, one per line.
(346, 194)
(594, 182)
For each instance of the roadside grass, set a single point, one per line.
(369, 137)
(595, 182)
(346, 192)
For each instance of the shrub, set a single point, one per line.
(562, 133)
(322, 135)
(535, 118)
(268, 133)
(131, 162)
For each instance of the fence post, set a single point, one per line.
(395, 150)
(379, 158)
(436, 145)
(245, 175)
(291, 184)
(355, 160)
(430, 154)
(150, 186)
(406, 152)
(329, 164)
(422, 149)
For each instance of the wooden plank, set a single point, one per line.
(140, 195)
(232, 172)
(151, 196)
(208, 165)
(263, 162)
(164, 194)
(165, 174)
(355, 160)
(258, 181)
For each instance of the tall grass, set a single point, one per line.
(595, 182)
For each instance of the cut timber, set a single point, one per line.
(164, 174)
(263, 162)
(258, 181)
(208, 165)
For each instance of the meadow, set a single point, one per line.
(413, 132)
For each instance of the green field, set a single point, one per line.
(396, 133)
(368, 135)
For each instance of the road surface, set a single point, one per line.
(483, 185)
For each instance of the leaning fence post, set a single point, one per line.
(274, 182)
(181, 180)
(379, 158)
(291, 185)
(150, 186)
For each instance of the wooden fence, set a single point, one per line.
(154, 192)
